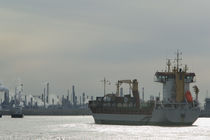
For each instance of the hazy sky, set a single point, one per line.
(79, 42)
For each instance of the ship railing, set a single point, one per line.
(160, 79)
(121, 110)
(173, 105)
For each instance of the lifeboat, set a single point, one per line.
(188, 96)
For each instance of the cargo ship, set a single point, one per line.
(176, 108)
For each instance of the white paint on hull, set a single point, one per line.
(159, 116)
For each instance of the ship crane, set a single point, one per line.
(133, 85)
(120, 82)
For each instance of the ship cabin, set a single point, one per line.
(163, 77)
(175, 85)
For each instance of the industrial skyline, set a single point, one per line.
(44, 99)
(21, 103)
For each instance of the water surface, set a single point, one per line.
(83, 127)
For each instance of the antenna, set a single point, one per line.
(177, 59)
(168, 63)
(186, 68)
(105, 82)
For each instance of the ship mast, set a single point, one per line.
(177, 59)
(168, 65)
(105, 82)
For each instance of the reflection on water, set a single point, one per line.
(83, 127)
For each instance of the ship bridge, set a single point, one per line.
(163, 77)
(176, 81)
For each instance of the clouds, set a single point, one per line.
(80, 42)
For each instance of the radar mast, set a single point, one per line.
(177, 59)
(168, 63)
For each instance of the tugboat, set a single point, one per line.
(176, 108)
(17, 113)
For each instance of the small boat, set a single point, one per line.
(0, 112)
(17, 115)
(17, 112)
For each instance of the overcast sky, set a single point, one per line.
(79, 42)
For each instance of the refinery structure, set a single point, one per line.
(44, 104)
(177, 107)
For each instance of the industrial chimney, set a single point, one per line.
(73, 96)
(48, 92)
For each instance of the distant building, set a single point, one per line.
(83, 98)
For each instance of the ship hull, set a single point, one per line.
(159, 117)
